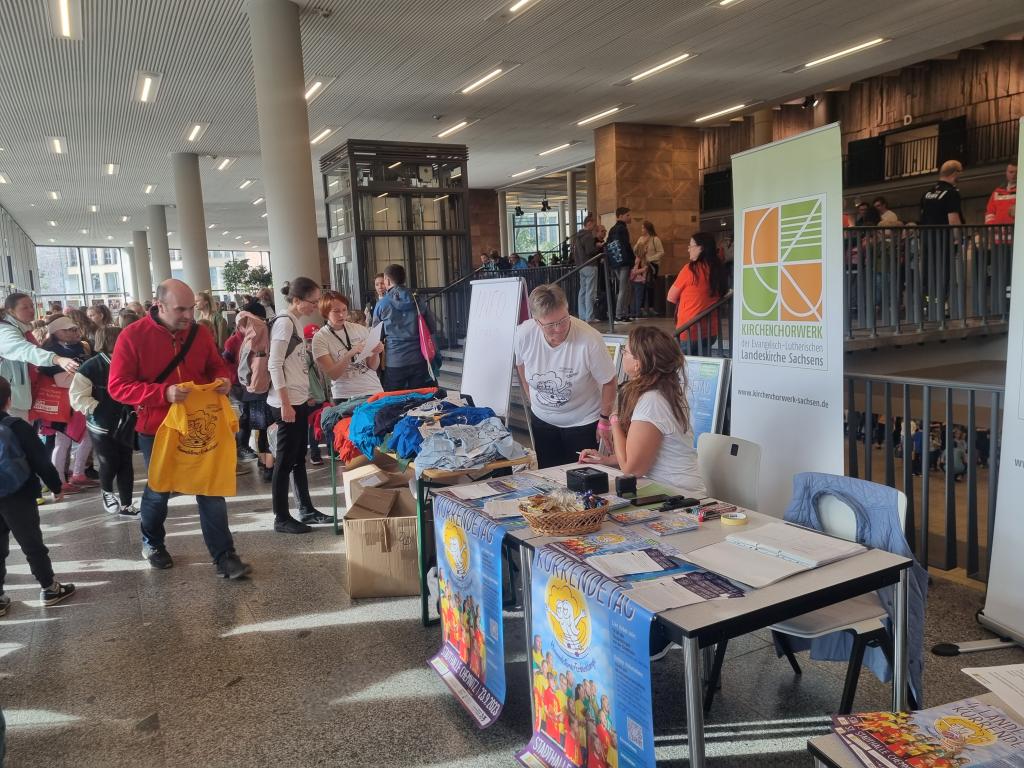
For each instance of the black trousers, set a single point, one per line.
(407, 377)
(290, 462)
(115, 466)
(561, 445)
(19, 514)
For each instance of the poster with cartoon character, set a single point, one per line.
(590, 670)
(471, 661)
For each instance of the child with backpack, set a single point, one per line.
(111, 425)
(24, 460)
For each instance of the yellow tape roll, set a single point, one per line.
(734, 518)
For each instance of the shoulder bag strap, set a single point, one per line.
(180, 356)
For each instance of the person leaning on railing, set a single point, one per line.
(700, 283)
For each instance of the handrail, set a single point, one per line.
(457, 283)
(727, 296)
(593, 260)
(917, 382)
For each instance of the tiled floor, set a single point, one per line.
(178, 668)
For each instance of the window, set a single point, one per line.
(110, 256)
(113, 283)
(535, 231)
(96, 281)
(94, 258)
(73, 257)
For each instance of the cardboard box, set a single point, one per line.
(382, 472)
(383, 548)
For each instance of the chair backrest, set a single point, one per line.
(731, 468)
(837, 519)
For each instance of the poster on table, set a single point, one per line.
(471, 661)
(787, 370)
(706, 379)
(1004, 610)
(590, 669)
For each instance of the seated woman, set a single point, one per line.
(651, 431)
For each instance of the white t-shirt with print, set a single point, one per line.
(565, 381)
(357, 380)
(676, 462)
(291, 371)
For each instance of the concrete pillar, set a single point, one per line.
(570, 202)
(561, 224)
(764, 120)
(592, 189)
(140, 262)
(188, 192)
(284, 138)
(161, 252)
(503, 223)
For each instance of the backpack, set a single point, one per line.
(253, 372)
(613, 252)
(14, 468)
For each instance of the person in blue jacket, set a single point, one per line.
(397, 310)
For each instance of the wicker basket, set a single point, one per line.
(567, 523)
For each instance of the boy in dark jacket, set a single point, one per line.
(19, 513)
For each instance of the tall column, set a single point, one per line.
(143, 277)
(161, 254)
(561, 224)
(592, 189)
(284, 138)
(764, 119)
(570, 202)
(503, 223)
(188, 192)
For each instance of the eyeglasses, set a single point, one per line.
(554, 325)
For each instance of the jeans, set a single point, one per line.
(639, 291)
(114, 460)
(561, 445)
(413, 376)
(19, 514)
(213, 515)
(588, 292)
(622, 291)
(290, 462)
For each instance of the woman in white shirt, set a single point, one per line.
(336, 347)
(290, 407)
(650, 246)
(651, 431)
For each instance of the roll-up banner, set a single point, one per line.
(787, 379)
(1004, 607)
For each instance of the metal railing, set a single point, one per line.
(937, 441)
(912, 278)
(709, 334)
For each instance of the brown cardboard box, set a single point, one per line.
(380, 534)
(382, 472)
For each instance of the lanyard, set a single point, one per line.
(347, 343)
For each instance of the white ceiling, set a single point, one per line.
(396, 64)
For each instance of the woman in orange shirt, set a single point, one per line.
(699, 284)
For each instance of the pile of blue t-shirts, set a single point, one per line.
(361, 431)
(406, 438)
(465, 446)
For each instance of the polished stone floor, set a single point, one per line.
(179, 668)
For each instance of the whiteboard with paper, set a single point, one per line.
(495, 309)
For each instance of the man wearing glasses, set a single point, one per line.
(568, 378)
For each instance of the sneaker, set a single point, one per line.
(158, 558)
(291, 525)
(316, 461)
(110, 503)
(128, 510)
(83, 481)
(246, 454)
(231, 567)
(315, 517)
(5, 604)
(69, 488)
(56, 593)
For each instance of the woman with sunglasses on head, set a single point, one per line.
(567, 376)
(652, 434)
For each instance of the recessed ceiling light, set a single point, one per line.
(111, 169)
(559, 148)
(53, 195)
(66, 19)
(453, 129)
(719, 113)
(382, 210)
(321, 136)
(196, 131)
(502, 69)
(149, 189)
(846, 52)
(93, 208)
(170, 233)
(257, 201)
(52, 240)
(314, 89)
(394, 165)
(727, 2)
(224, 162)
(523, 173)
(57, 144)
(210, 226)
(125, 219)
(247, 242)
(3, 179)
(599, 115)
(333, 183)
(226, 232)
(382, 194)
(52, 223)
(263, 215)
(84, 231)
(110, 237)
(519, 5)
(442, 197)
(238, 237)
(660, 67)
(246, 183)
(146, 86)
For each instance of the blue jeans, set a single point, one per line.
(213, 515)
(588, 293)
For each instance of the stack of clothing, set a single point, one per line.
(465, 446)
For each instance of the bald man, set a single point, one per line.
(151, 360)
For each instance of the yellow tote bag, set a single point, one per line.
(194, 449)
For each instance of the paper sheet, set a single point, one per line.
(372, 340)
(746, 566)
(475, 491)
(665, 595)
(620, 564)
(498, 509)
(557, 474)
(1006, 682)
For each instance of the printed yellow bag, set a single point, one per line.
(194, 448)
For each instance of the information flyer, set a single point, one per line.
(471, 661)
(591, 670)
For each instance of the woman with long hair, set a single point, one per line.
(290, 407)
(699, 284)
(652, 433)
(207, 310)
(650, 246)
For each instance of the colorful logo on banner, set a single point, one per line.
(590, 667)
(456, 549)
(783, 262)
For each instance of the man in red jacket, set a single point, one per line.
(142, 375)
